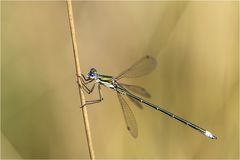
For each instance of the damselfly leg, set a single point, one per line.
(90, 90)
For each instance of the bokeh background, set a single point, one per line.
(195, 43)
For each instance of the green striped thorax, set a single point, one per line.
(92, 74)
(104, 78)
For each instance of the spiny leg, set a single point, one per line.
(96, 100)
(85, 80)
(88, 90)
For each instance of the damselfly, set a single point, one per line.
(142, 67)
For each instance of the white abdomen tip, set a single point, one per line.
(210, 135)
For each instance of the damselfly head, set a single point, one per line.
(92, 73)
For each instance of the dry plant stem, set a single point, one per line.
(78, 73)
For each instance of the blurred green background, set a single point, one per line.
(195, 43)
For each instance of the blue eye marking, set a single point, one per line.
(92, 73)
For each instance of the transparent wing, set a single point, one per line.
(137, 103)
(142, 67)
(136, 89)
(129, 117)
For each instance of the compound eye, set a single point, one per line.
(92, 70)
(91, 74)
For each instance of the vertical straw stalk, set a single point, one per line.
(78, 73)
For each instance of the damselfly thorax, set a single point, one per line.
(107, 81)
